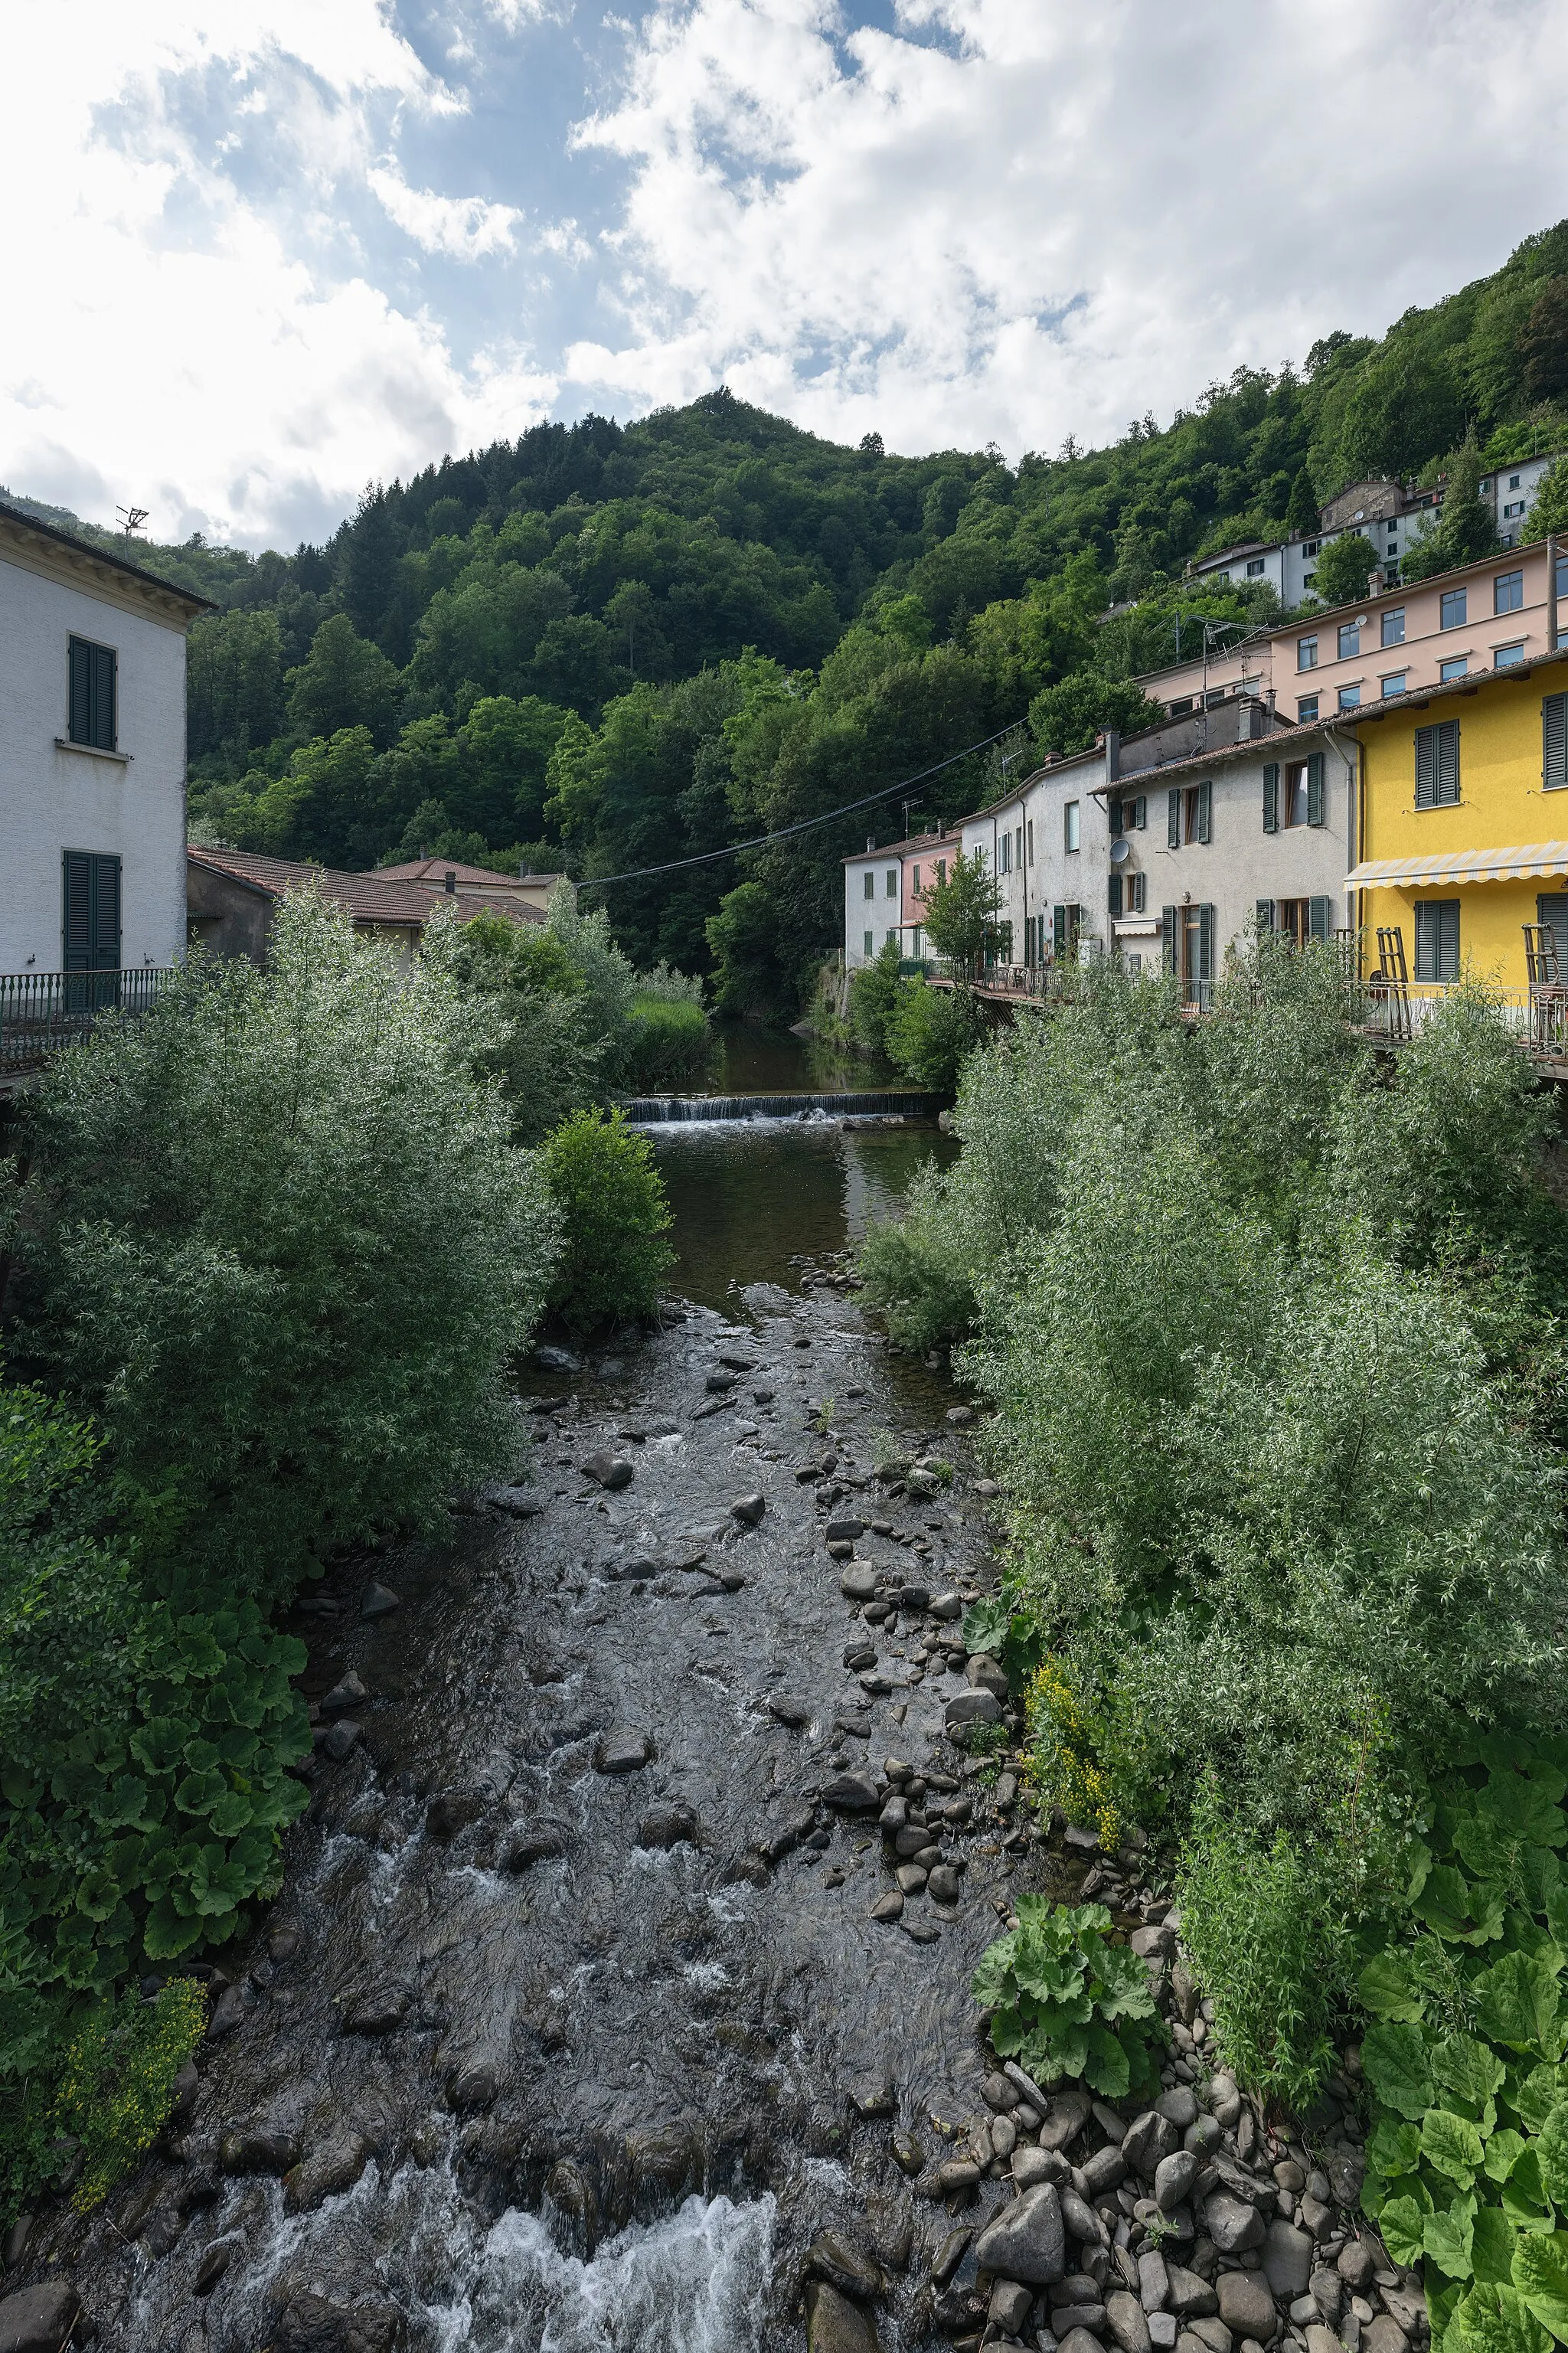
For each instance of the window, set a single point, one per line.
(1301, 801)
(892, 887)
(90, 894)
(917, 883)
(1069, 825)
(892, 936)
(1311, 546)
(1135, 892)
(1308, 578)
(1197, 813)
(1437, 939)
(870, 884)
(871, 943)
(1454, 607)
(916, 949)
(1555, 743)
(1515, 507)
(1065, 923)
(1513, 481)
(1113, 895)
(1136, 813)
(1437, 765)
(1306, 653)
(1505, 657)
(1018, 847)
(1297, 919)
(940, 871)
(1349, 640)
(1031, 842)
(1484, 485)
(91, 694)
(1507, 592)
(1003, 853)
(1393, 684)
(1458, 667)
(1187, 943)
(1349, 698)
(1254, 568)
(1393, 627)
(1183, 704)
(1306, 706)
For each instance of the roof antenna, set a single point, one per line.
(131, 519)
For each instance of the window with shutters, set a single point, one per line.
(892, 882)
(1437, 939)
(1188, 942)
(1555, 743)
(91, 694)
(871, 943)
(1196, 813)
(1135, 893)
(1113, 899)
(1271, 796)
(870, 884)
(1437, 765)
(90, 911)
(1300, 920)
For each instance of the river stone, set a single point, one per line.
(1078, 2341)
(520, 1502)
(608, 1470)
(1025, 2242)
(958, 2173)
(1188, 2294)
(873, 2095)
(451, 1810)
(908, 2154)
(1211, 2332)
(1346, 2174)
(946, 1606)
(214, 2264)
(852, 1793)
(838, 2261)
(1233, 2225)
(667, 1824)
(473, 2084)
(1173, 2176)
(1009, 2306)
(1154, 2281)
(1106, 2169)
(1124, 2316)
(542, 1844)
(719, 1384)
(339, 1738)
(556, 1360)
(971, 1708)
(1355, 2264)
(945, 1886)
(39, 2319)
(1064, 2117)
(1081, 2220)
(310, 2324)
(749, 1510)
(834, 2325)
(1322, 2339)
(347, 1694)
(624, 1748)
(381, 2011)
(982, 1672)
(1383, 2335)
(912, 1878)
(326, 2172)
(1149, 2138)
(1180, 2106)
(889, 1907)
(1245, 2306)
(1287, 2259)
(858, 1584)
(785, 1708)
(1032, 2165)
(229, 2011)
(845, 1530)
(257, 2152)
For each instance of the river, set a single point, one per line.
(570, 2027)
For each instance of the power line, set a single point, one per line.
(802, 824)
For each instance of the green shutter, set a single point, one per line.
(1265, 916)
(1168, 938)
(1447, 761)
(1555, 743)
(1059, 932)
(1315, 788)
(80, 720)
(1205, 942)
(1318, 923)
(1173, 816)
(1115, 818)
(1205, 812)
(1114, 900)
(90, 911)
(1426, 768)
(1270, 799)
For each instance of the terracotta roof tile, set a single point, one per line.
(368, 898)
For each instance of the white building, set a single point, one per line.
(92, 750)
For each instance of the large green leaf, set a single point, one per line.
(1551, 2149)
(1541, 2275)
(1462, 2065)
(1493, 2320)
(1447, 2235)
(1516, 2004)
(1495, 2239)
(1452, 2144)
(1403, 2225)
(1445, 1902)
(1524, 2199)
(991, 1981)
(1538, 2095)
(1540, 1876)
(1503, 2152)
(1395, 2059)
(1107, 2069)
(1395, 2146)
(1523, 1810)
(1388, 1989)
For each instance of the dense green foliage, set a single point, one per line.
(119, 2078)
(1067, 2003)
(1309, 1311)
(614, 647)
(613, 1215)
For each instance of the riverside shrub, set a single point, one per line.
(283, 1250)
(614, 1217)
(1066, 2003)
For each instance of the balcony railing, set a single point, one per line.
(42, 1011)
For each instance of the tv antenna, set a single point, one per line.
(131, 519)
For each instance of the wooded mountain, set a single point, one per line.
(605, 646)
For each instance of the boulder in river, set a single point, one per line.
(852, 1793)
(624, 1748)
(339, 1738)
(749, 1510)
(971, 1708)
(381, 2011)
(836, 2259)
(326, 2172)
(257, 2152)
(531, 1843)
(521, 1501)
(1026, 2241)
(39, 2319)
(451, 1810)
(309, 2323)
(667, 1824)
(858, 1584)
(557, 1360)
(785, 1707)
(608, 1470)
(834, 2325)
(379, 1602)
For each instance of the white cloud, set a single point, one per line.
(465, 228)
(1047, 218)
(225, 360)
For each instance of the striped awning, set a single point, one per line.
(1516, 865)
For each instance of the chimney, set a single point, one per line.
(1112, 754)
(451, 883)
(871, 843)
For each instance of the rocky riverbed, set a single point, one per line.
(617, 1995)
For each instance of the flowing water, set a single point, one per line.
(566, 2053)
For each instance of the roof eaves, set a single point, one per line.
(19, 516)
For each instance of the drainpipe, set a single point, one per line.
(1551, 592)
(1354, 818)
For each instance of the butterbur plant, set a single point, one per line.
(1065, 2002)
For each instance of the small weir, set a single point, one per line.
(659, 1111)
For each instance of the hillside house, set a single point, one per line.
(232, 900)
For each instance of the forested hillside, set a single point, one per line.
(609, 647)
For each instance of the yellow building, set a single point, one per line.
(1462, 839)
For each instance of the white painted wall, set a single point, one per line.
(880, 913)
(52, 800)
(1243, 864)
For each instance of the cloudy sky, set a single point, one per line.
(261, 251)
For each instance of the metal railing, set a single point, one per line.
(42, 1011)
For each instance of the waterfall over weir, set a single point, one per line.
(657, 1111)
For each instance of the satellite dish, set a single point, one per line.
(1120, 852)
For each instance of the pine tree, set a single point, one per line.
(1301, 514)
